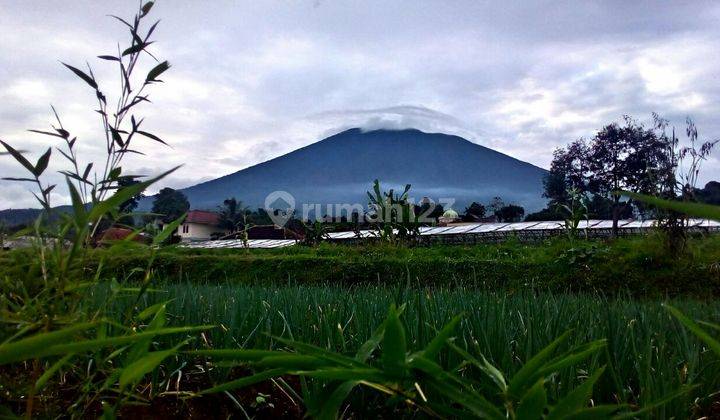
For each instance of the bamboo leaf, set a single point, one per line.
(330, 407)
(527, 375)
(437, 343)
(575, 399)
(87, 170)
(657, 403)
(136, 48)
(348, 374)
(47, 133)
(122, 195)
(371, 344)
(146, 8)
(151, 136)
(157, 71)
(121, 20)
(394, 345)
(151, 30)
(28, 348)
(137, 370)
(18, 179)
(89, 80)
(486, 367)
(42, 163)
(706, 211)
(116, 137)
(320, 353)
(168, 230)
(533, 402)
(573, 357)
(19, 157)
(95, 344)
(79, 213)
(51, 371)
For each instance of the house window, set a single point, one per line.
(186, 229)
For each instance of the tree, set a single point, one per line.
(619, 157)
(428, 209)
(510, 213)
(233, 216)
(496, 204)
(679, 177)
(568, 170)
(629, 158)
(475, 211)
(546, 214)
(710, 194)
(170, 204)
(261, 217)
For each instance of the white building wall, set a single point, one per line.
(196, 231)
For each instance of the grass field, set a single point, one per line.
(515, 299)
(648, 355)
(640, 266)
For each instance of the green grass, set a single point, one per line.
(649, 353)
(640, 266)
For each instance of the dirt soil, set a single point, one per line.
(265, 400)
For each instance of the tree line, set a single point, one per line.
(627, 156)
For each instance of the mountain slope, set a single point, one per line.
(340, 168)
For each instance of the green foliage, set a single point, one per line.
(639, 266)
(510, 213)
(647, 356)
(45, 329)
(713, 343)
(418, 380)
(706, 211)
(315, 233)
(576, 210)
(474, 212)
(233, 215)
(393, 216)
(170, 204)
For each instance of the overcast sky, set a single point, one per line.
(254, 80)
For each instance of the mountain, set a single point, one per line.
(341, 168)
(15, 218)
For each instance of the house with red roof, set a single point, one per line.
(200, 225)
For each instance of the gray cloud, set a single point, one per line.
(253, 80)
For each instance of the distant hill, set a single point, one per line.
(16, 217)
(341, 168)
(26, 217)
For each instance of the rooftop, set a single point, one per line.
(202, 217)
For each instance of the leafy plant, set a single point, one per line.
(696, 329)
(44, 325)
(417, 379)
(393, 215)
(576, 210)
(315, 233)
(707, 211)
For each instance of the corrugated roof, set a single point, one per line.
(470, 228)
